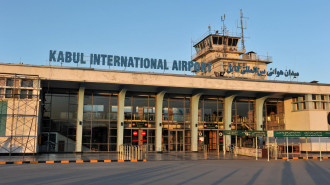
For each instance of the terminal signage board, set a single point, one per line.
(301, 133)
(139, 124)
(108, 60)
(259, 72)
(210, 126)
(245, 133)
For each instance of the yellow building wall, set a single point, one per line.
(304, 119)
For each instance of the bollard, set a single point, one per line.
(306, 149)
(320, 148)
(268, 147)
(224, 145)
(287, 148)
(139, 152)
(121, 152)
(126, 152)
(256, 148)
(118, 154)
(275, 149)
(131, 152)
(235, 146)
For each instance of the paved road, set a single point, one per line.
(152, 156)
(171, 172)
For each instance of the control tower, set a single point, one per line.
(227, 59)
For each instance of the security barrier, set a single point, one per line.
(132, 152)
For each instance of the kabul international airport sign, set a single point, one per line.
(256, 70)
(124, 61)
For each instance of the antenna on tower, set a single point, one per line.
(242, 31)
(223, 24)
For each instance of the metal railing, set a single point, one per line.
(226, 49)
(132, 152)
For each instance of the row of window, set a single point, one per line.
(16, 93)
(310, 102)
(11, 82)
(216, 40)
(12, 88)
(100, 119)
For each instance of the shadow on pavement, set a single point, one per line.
(318, 174)
(287, 175)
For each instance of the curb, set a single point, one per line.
(303, 158)
(69, 161)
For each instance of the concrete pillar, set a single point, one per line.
(120, 118)
(194, 121)
(80, 118)
(308, 102)
(159, 120)
(228, 103)
(259, 111)
(318, 102)
(259, 115)
(300, 104)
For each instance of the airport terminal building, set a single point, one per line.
(45, 109)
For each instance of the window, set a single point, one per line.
(25, 94)
(235, 41)
(27, 83)
(30, 94)
(9, 93)
(243, 114)
(220, 41)
(59, 115)
(215, 40)
(3, 117)
(295, 103)
(9, 82)
(313, 97)
(295, 99)
(230, 41)
(323, 102)
(209, 41)
(316, 102)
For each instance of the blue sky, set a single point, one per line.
(295, 33)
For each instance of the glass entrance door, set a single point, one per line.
(210, 137)
(176, 140)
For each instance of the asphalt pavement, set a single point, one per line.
(243, 172)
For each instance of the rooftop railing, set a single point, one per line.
(245, 56)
